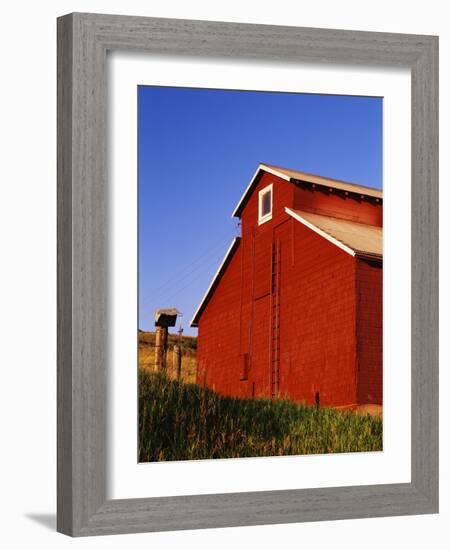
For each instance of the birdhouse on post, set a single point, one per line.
(164, 318)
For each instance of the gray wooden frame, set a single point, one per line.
(83, 40)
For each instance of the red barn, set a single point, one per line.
(295, 309)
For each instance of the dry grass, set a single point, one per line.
(188, 355)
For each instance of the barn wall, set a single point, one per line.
(369, 327)
(318, 319)
(338, 205)
(317, 331)
(218, 353)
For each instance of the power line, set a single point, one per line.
(168, 297)
(186, 270)
(166, 286)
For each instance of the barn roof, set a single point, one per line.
(215, 281)
(295, 176)
(357, 239)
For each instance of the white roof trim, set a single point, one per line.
(314, 228)
(193, 322)
(266, 168)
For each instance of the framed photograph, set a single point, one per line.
(247, 274)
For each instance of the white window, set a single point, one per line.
(265, 203)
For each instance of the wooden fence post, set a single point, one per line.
(160, 349)
(177, 360)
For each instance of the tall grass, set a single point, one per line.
(179, 421)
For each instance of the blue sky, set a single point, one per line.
(198, 150)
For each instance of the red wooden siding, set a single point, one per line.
(318, 320)
(338, 205)
(326, 337)
(218, 349)
(369, 282)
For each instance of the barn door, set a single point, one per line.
(274, 337)
(264, 318)
(259, 314)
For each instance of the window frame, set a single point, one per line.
(266, 217)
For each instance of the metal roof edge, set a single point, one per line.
(320, 232)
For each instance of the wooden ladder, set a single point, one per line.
(275, 284)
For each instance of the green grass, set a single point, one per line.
(179, 421)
